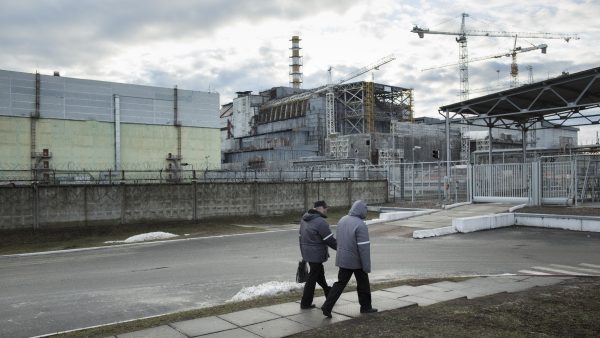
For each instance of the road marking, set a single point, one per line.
(576, 268)
(566, 272)
(590, 265)
(531, 272)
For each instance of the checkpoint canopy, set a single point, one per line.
(568, 100)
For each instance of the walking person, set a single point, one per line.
(353, 257)
(315, 237)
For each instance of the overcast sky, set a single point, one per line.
(228, 46)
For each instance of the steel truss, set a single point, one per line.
(365, 107)
(553, 103)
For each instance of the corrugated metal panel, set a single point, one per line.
(80, 99)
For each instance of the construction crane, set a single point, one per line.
(463, 52)
(514, 68)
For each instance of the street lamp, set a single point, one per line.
(412, 174)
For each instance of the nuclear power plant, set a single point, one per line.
(355, 123)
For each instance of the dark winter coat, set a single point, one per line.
(315, 236)
(354, 247)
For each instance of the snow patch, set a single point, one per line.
(151, 236)
(265, 289)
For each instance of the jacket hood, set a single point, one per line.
(359, 209)
(312, 214)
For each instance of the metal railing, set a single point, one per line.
(62, 177)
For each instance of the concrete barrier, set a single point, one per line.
(487, 222)
(398, 215)
(435, 232)
(565, 222)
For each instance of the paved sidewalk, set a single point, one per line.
(443, 217)
(286, 319)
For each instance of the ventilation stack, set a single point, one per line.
(296, 63)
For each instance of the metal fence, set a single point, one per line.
(501, 182)
(547, 180)
(50, 176)
(428, 181)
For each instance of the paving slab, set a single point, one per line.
(450, 285)
(286, 309)
(477, 291)
(200, 326)
(402, 290)
(380, 294)
(442, 296)
(347, 309)
(392, 304)
(163, 331)
(317, 319)
(248, 317)
(277, 328)
(426, 289)
(318, 301)
(237, 333)
(422, 301)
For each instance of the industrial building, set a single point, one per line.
(59, 123)
(352, 123)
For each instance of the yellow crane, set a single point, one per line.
(463, 59)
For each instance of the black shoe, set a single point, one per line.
(326, 312)
(371, 310)
(311, 306)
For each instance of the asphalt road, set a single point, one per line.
(63, 291)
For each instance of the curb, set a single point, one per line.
(494, 221)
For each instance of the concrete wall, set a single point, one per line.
(77, 145)
(87, 205)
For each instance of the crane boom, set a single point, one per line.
(498, 34)
(462, 40)
(361, 71)
(542, 46)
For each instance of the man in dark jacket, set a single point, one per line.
(353, 257)
(315, 236)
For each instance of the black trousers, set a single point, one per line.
(315, 275)
(363, 288)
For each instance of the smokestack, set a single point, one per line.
(296, 63)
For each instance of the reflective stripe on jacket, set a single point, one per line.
(315, 237)
(354, 246)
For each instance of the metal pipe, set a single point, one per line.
(117, 104)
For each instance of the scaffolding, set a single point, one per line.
(367, 107)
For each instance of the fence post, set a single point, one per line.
(35, 206)
(349, 193)
(402, 179)
(195, 199)
(469, 183)
(574, 180)
(123, 201)
(535, 184)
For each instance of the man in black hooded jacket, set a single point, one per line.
(315, 237)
